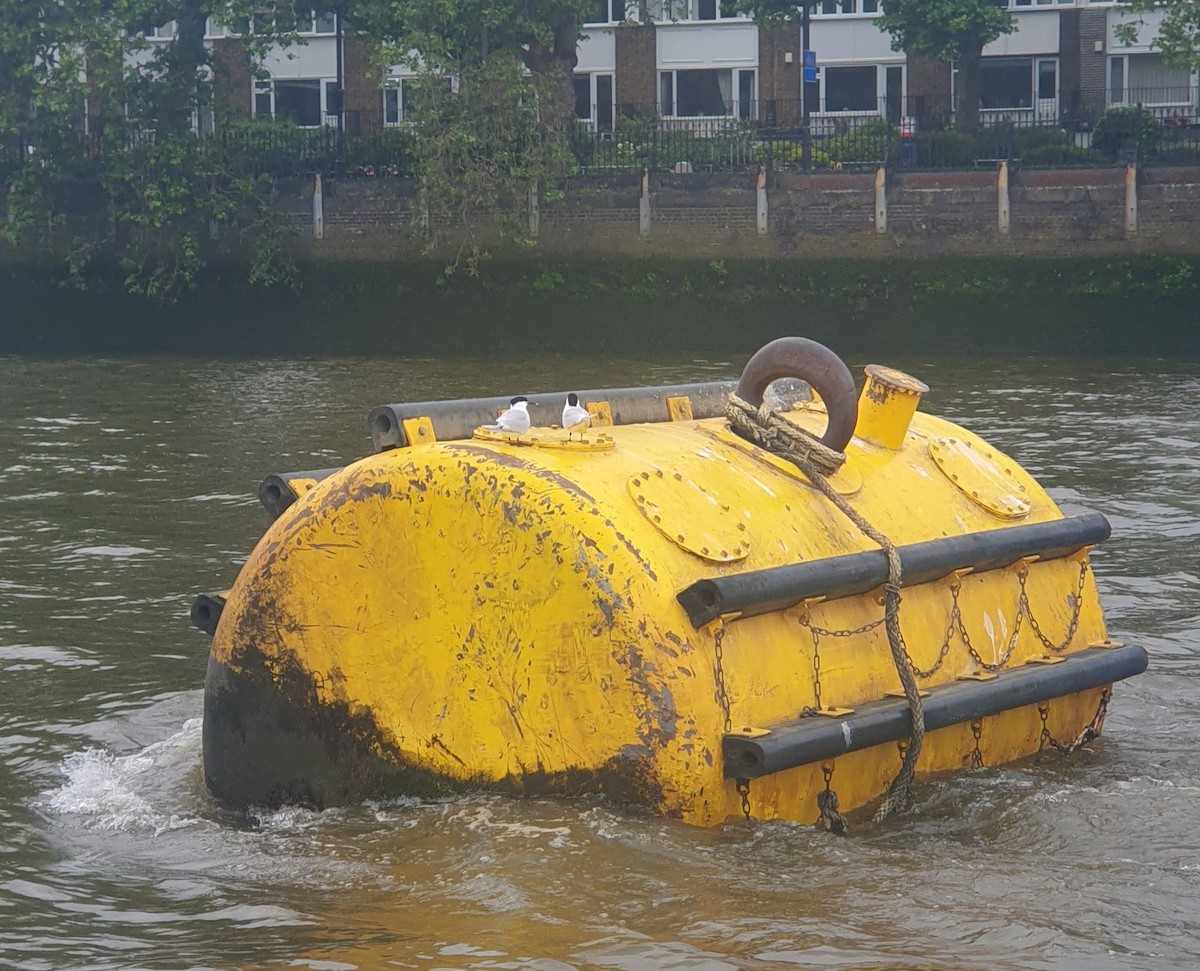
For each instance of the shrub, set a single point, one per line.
(946, 149)
(873, 142)
(1126, 128)
(1047, 155)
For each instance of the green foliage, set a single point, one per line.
(944, 30)
(873, 143)
(1178, 34)
(947, 148)
(1126, 128)
(479, 151)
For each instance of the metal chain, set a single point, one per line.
(977, 755)
(816, 638)
(743, 788)
(1008, 648)
(722, 693)
(1091, 731)
(1077, 608)
(827, 803)
(945, 648)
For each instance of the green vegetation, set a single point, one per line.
(1140, 305)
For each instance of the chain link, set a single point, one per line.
(827, 803)
(722, 693)
(1076, 609)
(976, 754)
(743, 788)
(1091, 731)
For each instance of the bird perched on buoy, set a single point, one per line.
(515, 419)
(575, 415)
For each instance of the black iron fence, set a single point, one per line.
(1153, 126)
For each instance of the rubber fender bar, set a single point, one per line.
(206, 612)
(808, 740)
(457, 419)
(799, 357)
(277, 492)
(780, 587)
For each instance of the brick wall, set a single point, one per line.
(231, 80)
(778, 81)
(928, 89)
(636, 65)
(1093, 67)
(1069, 212)
(362, 98)
(1069, 89)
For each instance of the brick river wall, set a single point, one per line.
(925, 214)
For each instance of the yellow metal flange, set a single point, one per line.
(679, 408)
(747, 732)
(418, 431)
(585, 443)
(601, 412)
(690, 516)
(987, 478)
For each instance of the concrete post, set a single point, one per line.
(644, 207)
(881, 200)
(1002, 211)
(318, 214)
(1131, 199)
(535, 215)
(762, 201)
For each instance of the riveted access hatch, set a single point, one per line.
(987, 478)
(690, 516)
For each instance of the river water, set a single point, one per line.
(126, 486)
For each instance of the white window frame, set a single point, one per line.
(1109, 88)
(1035, 112)
(735, 82)
(268, 86)
(592, 121)
(621, 5)
(687, 11)
(847, 8)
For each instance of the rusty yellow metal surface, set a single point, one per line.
(504, 612)
(886, 406)
(418, 431)
(679, 408)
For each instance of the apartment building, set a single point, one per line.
(696, 59)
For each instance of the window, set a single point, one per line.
(1006, 82)
(163, 32)
(706, 94)
(830, 8)
(609, 12)
(1146, 79)
(297, 101)
(661, 10)
(851, 88)
(1038, 3)
(594, 100)
(402, 95)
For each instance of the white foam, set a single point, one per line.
(113, 792)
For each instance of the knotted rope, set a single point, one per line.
(767, 429)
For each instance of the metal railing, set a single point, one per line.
(1154, 126)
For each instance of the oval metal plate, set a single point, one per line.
(690, 516)
(987, 478)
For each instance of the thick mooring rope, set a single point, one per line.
(817, 461)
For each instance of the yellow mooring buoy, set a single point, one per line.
(698, 604)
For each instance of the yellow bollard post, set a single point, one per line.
(888, 402)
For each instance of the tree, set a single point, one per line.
(125, 181)
(450, 36)
(503, 129)
(1178, 34)
(949, 30)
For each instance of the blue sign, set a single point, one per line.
(810, 65)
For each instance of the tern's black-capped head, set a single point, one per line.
(517, 400)
(573, 399)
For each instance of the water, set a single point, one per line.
(126, 486)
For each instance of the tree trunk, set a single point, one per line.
(554, 63)
(179, 86)
(966, 107)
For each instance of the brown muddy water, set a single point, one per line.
(126, 486)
